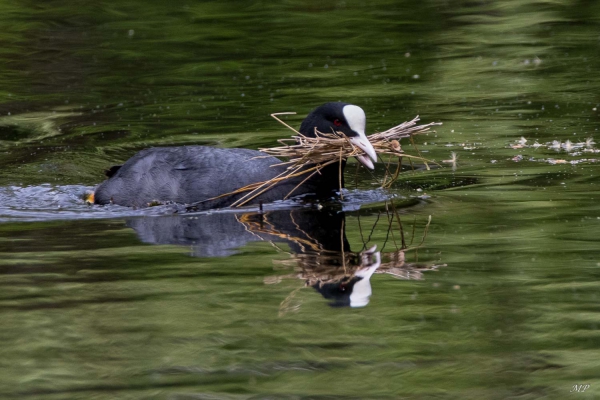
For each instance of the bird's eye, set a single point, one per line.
(337, 122)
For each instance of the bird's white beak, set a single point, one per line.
(363, 143)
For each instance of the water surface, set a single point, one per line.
(494, 296)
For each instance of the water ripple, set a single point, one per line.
(47, 202)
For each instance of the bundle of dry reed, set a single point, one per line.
(308, 155)
(329, 147)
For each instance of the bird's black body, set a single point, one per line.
(192, 174)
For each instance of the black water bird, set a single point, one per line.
(198, 174)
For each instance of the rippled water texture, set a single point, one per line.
(475, 279)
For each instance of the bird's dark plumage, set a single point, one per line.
(191, 174)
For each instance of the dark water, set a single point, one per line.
(496, 295)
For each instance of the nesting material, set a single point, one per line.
(308, 155)
(328, 147)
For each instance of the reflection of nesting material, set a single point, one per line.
(319, 268)
(399, 268)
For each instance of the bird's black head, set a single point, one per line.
(348, 119)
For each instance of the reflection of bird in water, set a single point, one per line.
(345, 278)
(319, 250)
(334, 271)
(353, 289)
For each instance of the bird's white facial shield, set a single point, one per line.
(355, 116)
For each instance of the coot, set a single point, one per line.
(197, 174)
